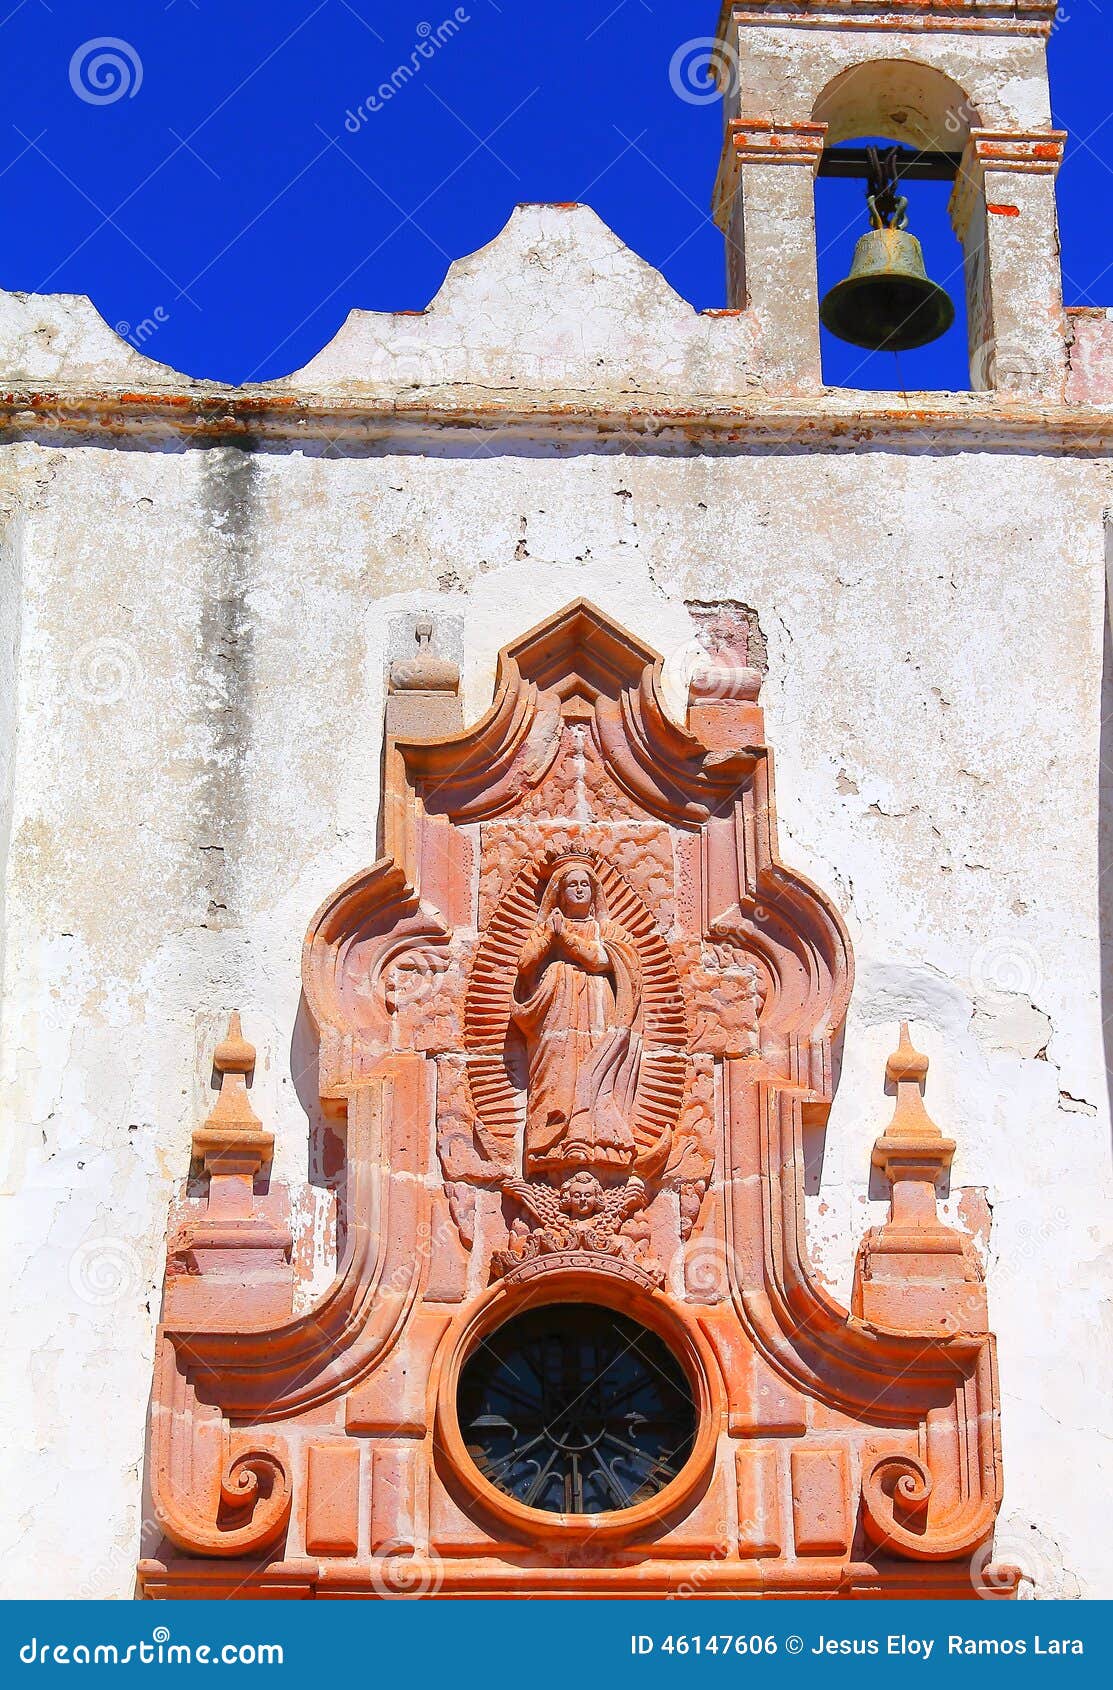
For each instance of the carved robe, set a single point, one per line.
(577, 1005)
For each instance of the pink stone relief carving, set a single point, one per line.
(572, 1027)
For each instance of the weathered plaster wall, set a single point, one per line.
(1091, 356)
(11, 618)
(200, 684)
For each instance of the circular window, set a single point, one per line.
(574, 1409)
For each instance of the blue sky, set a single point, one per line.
(231, 205)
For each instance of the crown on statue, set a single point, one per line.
(559, 856)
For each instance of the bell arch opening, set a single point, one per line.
(894, 307)
(913, 104)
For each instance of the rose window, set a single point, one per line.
(574, 1409)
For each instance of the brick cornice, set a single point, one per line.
(757, 140)
(1033, 152)
(1021, 152)
(1016, 17)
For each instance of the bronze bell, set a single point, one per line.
(888, 303)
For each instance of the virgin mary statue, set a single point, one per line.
(577, 1004)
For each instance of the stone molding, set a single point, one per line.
(836, 418)
(763, 141)
(755, 140)
(1028, 151)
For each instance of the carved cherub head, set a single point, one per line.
(582, 1195)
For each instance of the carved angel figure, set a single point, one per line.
(577, 1004)
(582, 1215)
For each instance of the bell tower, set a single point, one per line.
(966, 78)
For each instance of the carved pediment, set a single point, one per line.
(578, 751)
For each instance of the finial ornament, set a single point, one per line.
(907, 1269)
(907, 1069)
(234, 1237)
(234, 1054)
(906, 1062)
(233, 1059)
(912, 1137)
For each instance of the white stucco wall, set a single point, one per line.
(193, 657)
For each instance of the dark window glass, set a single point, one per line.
(577, 1410)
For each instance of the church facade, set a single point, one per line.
(471, 1127)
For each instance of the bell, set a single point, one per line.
(888, 303)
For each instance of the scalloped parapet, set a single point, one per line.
(556, 302)
(62, 339)
(555, 324)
